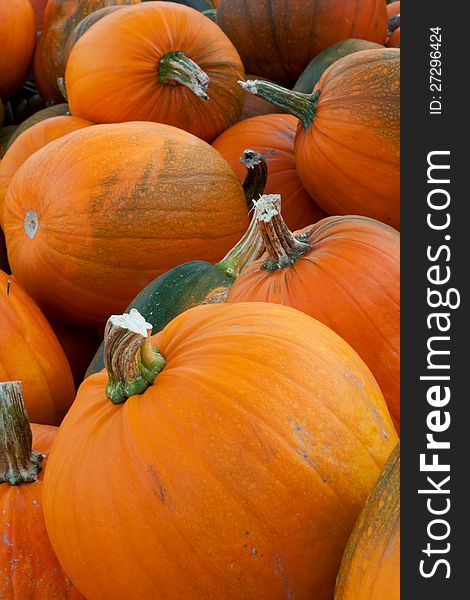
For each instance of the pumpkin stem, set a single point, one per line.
(176, 68)
(303, 106)
(131, 361)
(247, 250)
(281, 245)
(256, 177)
(19, 463)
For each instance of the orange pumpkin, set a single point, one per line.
(345, 273)
(273, 137)
(31, 353)
(162, 62)
(371, 562)
(252, 451)
(57, 110)
(31, 140)
(393, 27)
(60, 18)
(89, 234)
(277, 39)
(39, 6)
(347, 148)
(29, 569)
(18, 38)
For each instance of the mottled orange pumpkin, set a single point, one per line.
(30, 352)
(243, 464)
(345, 272)
(273, 137)
(29, 569)
(18, 38)
(371, 562)
(85, 236)
(162, 62)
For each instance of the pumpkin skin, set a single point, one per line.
(127, 69)
(39, 6)
(60, 18)
(333, 283)
(29, 569)
(18, 35)
(239, 447)
(29, 142)
(311, 74)
(393, 10)
(107, 228)
(277, 39)
(46, 113)
(273, 137)
(394, 40)
(31, 353)
(371, 563)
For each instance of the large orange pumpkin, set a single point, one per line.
(30, 352)
(244, 463)
(85, 236)
(347, 148)
(345, 273)
(273, 137)
(370, 567)
(277, 39)
(29, 569)
(162, 62)
(18, 38)
(31, 140)
(60, 18)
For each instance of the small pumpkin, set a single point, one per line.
(230, 458)
(56, 110)
(273, 137)
(88, 235)
(31, 353)
(277, 39)
(370, 567)
(29, 569)
(343, 271)
(162, 62)
(347, 148)
(18, 38)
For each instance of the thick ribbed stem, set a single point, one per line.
(19, 463)
(302, 106)
(247, 250)
(256, 177)
(176, 68)
(131, 361)
(281, 245)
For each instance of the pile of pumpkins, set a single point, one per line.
(199, 299)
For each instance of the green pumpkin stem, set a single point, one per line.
(176, 68)
(131, 361)
(256, 177)
(19, 463)
(247, 250)
(302, 106)
(282, 247)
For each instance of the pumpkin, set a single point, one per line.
(394, 39)
(314, 70)
(273, 137)
(393, 9)
(31, 353)
(254, 106)
(347, 147)
(393, 27)
(343, 271)
(190, 284)
(230, 458)
(90, 234)
(39, 6)
(31, 140)
(161, 62)
(46, 113)
(29, 569)
(60, 18)
(370, 567)
(277, 39)
(18, 35)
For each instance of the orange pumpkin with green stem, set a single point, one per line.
(343, 271)
(347, 148)
(230, 458)
(29, 569)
